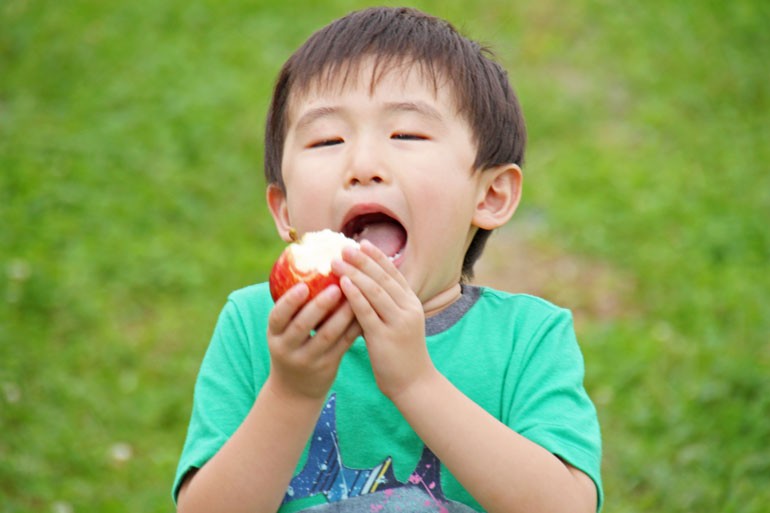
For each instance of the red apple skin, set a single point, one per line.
(284, 276)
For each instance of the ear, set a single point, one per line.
(276, 201)
(498, 196)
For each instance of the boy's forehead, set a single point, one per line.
(401, 79)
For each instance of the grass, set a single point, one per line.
(131, 204)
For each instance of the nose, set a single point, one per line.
(365, 165)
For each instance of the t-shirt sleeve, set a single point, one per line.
(224, 392)
(550, 405)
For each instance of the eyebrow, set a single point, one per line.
(417, 107)
(314, 114)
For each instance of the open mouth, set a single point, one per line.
(382, 230)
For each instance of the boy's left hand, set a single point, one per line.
(390, 315)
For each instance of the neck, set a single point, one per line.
(442, 300)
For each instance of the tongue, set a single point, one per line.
(388, 237)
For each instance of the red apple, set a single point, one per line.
(308, 260)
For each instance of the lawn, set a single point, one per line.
(131, 203)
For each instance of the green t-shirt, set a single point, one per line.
(515, 355)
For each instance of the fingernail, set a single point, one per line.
(300, 289)
(332, 292)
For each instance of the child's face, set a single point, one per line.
(393, 164)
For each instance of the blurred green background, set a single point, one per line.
(131, 203)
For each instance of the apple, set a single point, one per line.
(309, 260)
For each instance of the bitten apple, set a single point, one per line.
(308, 260)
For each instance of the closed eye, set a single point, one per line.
(326, 142)
(408, 137)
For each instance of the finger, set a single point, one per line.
(384, 262)
(333, 328)
(353, 331)
(287, 307)
(373, 263)
(362, 307)
(313, 313)
(379, 290)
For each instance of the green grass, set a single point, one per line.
(131, 203)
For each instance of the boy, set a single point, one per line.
(403, 389)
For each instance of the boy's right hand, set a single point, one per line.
(304, 363)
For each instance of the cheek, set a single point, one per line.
(444, 225)
(449, 200)
(308, 206)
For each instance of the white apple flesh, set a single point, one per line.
(308, 260)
